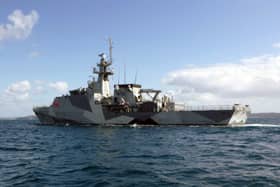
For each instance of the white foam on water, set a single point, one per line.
(257, 125)
(134, 125)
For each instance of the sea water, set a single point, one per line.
(37, 155)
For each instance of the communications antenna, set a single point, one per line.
(135, 78)
(124, 73)
(110, 50)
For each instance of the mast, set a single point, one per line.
(110, 50)
(124, 73)
(104, 72)
(135, 78)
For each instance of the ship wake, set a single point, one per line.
(257, 125)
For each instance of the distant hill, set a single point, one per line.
(264, 115)
(31, 117)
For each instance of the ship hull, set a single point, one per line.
(50, 115)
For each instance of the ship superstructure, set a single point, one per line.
(129, 104)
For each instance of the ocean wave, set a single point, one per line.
(177, 156)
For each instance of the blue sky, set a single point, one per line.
(156, 38)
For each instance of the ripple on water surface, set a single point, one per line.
(33, 155)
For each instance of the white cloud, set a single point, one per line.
(39, 90)
(59, 86)
(18, 91)
(249, 81)
(276, 45)
(20, 26)
(19, 98)
(22, 86)
(258, 76)
(16, 100)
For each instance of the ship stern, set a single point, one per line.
(240, 114)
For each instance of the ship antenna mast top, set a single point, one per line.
(110, 50)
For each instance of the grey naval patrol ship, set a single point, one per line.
(130, 104)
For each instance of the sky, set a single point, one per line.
(200, 52)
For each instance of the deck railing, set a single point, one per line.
(184, 107)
